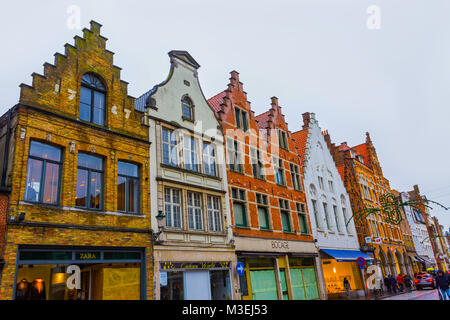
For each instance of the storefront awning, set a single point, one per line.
(413, 258)
(346, 255)
(426, 260)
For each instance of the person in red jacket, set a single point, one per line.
(400, 282)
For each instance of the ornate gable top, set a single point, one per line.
(184, 56)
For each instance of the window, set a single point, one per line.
(195, 215)
(92, 99)
(336, 218)
(302, 219)
(263, 213)
(209, 158)
(190, 153)
(327, 218)
(214, 214)
(321, 186)
(127, 187)
(257, 165)
(241, 119)
(172, 207)
(239, 211)
(279, 176)
(330, 185)
(316, 214)
(344, 211)
(295, 175)
(89, 193)
(188, 109)
(43, 173)
(169, 147)
(282, 140)
(284, 209)
(234, 155)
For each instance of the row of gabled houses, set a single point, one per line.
(172, 196)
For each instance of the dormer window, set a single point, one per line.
(188, 109)
(241, 119)
(92, 99)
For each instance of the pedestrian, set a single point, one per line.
(393, 283)
(400, 282)
(387, 283)
(408, 282)
(347, 287)
(443, 284)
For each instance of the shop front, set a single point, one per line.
(80, 273)
(280, 273)
(338, 265)
(195, 280)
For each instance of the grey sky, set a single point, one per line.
(316, 56)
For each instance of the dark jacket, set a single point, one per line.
(442, 282)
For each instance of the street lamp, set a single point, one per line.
(161, 220)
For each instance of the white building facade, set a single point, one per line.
(425, 255)
(330, 214)
(193, 252)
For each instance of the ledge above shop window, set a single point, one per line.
(56, 207)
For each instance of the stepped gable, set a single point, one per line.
(223, 102)
(58, 89)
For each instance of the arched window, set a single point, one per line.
(188, 108)
(92, 99)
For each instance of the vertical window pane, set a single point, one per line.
(263, 218)
(81, 193)
(285, 221)
(33, 183)
(51, 184)
(121, 193)
(95, 190)
(85, 104)
(99, 108)
(132, 195)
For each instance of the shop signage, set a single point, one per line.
(169, 265)
(240, 268)
(280, 244)
(368, 239)
(377, 240)
(87, 256)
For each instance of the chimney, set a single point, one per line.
(306, 119)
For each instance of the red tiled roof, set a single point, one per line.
(361, 149)
(216, 101)
(262, 119)
(343, 147)
(300, 139)
(341, 172)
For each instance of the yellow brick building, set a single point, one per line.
(363, 177)
(78, 223)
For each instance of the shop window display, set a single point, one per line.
(99, 281)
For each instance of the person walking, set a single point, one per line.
(443, 284)
(347, 287)
(393, 284)
(408, 282)
(387, 283)
(400, 282)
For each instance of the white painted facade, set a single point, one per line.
(419, 230)
(319, 164)
(179, 187)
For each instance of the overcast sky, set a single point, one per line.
(317, 56)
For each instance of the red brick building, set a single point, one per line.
(270, 221)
